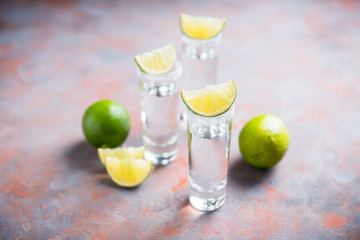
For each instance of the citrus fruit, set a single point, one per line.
(127, 166)
(106, 123)
(103, 153)
(264, 140)
(201, 27)
(211, 101)
(158, 61)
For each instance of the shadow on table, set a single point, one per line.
(108, 182)
(244, 175)
(83, 156)
(178, 220)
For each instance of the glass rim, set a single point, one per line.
(174, 72)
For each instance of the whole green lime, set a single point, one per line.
(264, 140)
(106, 123)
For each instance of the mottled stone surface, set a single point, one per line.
(297, 59)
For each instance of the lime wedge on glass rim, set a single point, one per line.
(126, 166)
(201, 27)
(212, 100)
(158, 61)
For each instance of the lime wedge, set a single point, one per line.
(211, 101)
(119, 153)
(201, 27)
(158, 61)
(127, 166)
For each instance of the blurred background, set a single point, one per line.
(296, 59)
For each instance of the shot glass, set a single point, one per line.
(159, 114)
(209, 149)
(200, 61)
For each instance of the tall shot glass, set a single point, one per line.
(209, 149)
(159, 114)
(200, 61)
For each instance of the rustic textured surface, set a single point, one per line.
(297, 59)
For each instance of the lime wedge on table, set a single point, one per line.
(158, 61)
(120, 153)
(201, 27)
(126, 166)
(211, 101)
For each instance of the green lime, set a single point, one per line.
(264, 141)
(106, 123)
(126, 166)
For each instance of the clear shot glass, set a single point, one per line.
(200, 61)
(209, 149)
(159, 114)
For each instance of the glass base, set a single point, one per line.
(210, 204)
(160, 159)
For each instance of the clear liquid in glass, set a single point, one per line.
(209, 148)
(159, 115)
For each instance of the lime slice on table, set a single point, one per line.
(201, 27)
(120, 153)
(158, 61)
(211, 101)
(126, 166)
